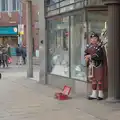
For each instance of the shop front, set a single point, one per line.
(67, 36)
(8, 35)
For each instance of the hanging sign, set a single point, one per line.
(21, 29)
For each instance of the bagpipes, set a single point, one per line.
(91, 63)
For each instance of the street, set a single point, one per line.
(66, 42)
(24, 99)
(20, 70)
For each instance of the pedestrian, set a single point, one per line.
(96, 60)
(5, 56)
(19, 55)
(24, 54)
(9, 52)
(1, 56)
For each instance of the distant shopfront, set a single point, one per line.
(68, 30)
(9, 35)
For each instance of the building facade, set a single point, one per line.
(12, 14)
(69, 24)
(59, 37)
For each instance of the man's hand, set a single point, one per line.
(88, 57)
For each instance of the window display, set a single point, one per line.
(78, 44)
(59, 46)
(71, 31)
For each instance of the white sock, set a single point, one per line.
(94, 94)
(100, 94)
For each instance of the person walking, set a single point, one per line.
(19, 55)
(4, 56)
(1, 60)
(24, 54)
(9, 52)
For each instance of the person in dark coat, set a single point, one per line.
(4, 56)
(19, 55)
(24, 54)
(0, 55)
(9, 52)
(95, 58)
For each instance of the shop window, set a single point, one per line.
(65, 32)
(58, 37)
(78, 44)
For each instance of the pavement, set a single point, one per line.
(36, 60)
(24, 99)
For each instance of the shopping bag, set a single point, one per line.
(9, 60)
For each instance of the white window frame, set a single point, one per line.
(6, 6)
(17, 6)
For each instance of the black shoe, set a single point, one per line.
(99, 98)
(91, 98)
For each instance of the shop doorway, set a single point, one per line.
(10, 40)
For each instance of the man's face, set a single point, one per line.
(94, 40)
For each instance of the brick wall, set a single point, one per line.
(5, 20)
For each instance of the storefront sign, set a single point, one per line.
(21, 29)
(9, 30)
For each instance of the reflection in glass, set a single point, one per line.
(97, 21)
(78, 43)
(59, 46)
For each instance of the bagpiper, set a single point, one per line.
(95, 59)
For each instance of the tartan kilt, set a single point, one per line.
(98, 73)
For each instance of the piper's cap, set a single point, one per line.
(94, 35)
